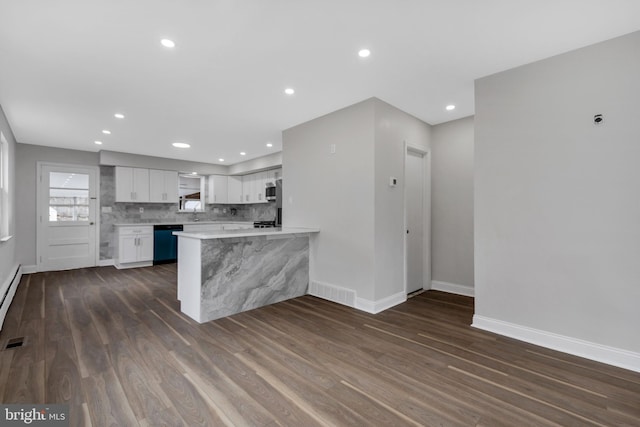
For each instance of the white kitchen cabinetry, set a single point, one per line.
(234, 189)
(260, 183)
(132, 184)
(241, 189)
(134, 246)
(218, 189)
(163, 186)
(253, 186)
(248, 189)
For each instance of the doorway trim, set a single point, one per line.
(426, 211)
(39, 207)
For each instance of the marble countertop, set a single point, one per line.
(226, 234)
(139, 224)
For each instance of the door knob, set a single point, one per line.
(91, 223)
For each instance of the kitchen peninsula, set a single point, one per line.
(221, 273)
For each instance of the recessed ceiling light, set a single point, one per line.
(168, 43)
(221, 160)
(106, 132)
(450, 107)
(118, 116)
(181, 145)
(269, 144)
(194, 173)
(97, 142)
(242, 153)
(363, 53)
(289, 91)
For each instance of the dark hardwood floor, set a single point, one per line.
(115, 347)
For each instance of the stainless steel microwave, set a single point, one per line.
(270, 192)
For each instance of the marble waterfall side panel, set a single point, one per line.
(240, 274)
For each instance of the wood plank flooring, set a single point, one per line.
(115, 347)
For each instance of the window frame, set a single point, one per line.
(5, 203)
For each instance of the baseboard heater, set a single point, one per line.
(7, 291)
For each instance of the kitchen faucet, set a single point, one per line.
(195, 217)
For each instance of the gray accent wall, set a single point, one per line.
(452, 202)
(8, 259)
(557, 198)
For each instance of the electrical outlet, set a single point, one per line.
(141, 210)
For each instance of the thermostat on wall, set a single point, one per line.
(392, 181)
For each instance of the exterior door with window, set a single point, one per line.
(66, 217)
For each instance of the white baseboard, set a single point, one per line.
(452, 288)
(29, 269)
(133, 265)
(8, 290)
(375, 307)
(105, 263)
(589, 350)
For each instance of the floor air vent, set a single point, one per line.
(14, 342)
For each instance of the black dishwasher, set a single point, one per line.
(165, 244)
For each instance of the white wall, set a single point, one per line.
(8, 262)
(557, 199)
(115, 158)
(452, 203)
(393, 128)
(27, 157)
(360, 246)
(334, 192)
(269, 161)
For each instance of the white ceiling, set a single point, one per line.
(67, 66)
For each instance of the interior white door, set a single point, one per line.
(415, 182)
(67, 202)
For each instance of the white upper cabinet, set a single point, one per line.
(234, 190)
(218, 189)
(241, 189)
(248, 189)
(132, 184)
(260, 185)
(163, 186)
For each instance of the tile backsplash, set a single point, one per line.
(163, 212)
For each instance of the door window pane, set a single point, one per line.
(68, 197)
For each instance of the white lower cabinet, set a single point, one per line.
(134, 246)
